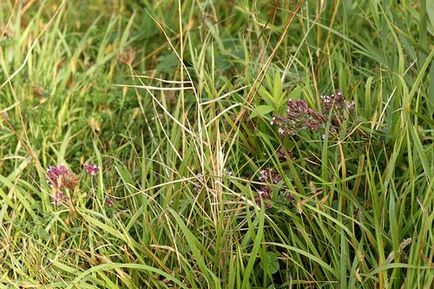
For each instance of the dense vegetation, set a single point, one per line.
(216, 144)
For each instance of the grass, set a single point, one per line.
(173, 101)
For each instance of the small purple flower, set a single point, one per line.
(61, 178)
(336, 102)
(263, 175)
(264, 193)
(296, 108)
(341, 109)
(91, 169)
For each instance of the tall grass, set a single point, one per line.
(173, 101)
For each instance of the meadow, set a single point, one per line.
(217, 144)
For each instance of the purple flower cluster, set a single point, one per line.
(336, 102)
(339, 107)
(60, 179)
(300, 116)
(263, 194)
(269, 178)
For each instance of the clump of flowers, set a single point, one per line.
(339, 107)
(336, 102)
(61, 178)
(263, 194)
(300, 116)
(269, 178)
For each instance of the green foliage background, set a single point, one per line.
(173, 100)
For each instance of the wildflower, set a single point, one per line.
(263, 175)
(269, 176)
(61, 178)
(55, 175)
(264, 193)
(91, 169)
(336, 103)
(299, 116)
(296, 108)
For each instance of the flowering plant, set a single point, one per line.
(300, 116)
(61, 179)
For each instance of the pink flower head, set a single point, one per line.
(91, 169)
(61, 178)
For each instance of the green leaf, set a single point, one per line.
(266, 95)
(270, 262)
(296, 93)
(167, 63)
(261, 110)
(277, 87)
